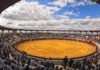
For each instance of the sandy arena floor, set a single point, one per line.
(56, 48)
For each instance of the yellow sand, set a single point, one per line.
(56, 48)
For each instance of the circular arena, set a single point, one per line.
(35, 47)
(57, 48)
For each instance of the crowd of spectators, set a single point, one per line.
(10, 59)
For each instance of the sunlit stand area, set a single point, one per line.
(19, 59)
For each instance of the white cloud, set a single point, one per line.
(29, 11)
(70, 13)
(33, 15)
(88, 17)
(64, 3)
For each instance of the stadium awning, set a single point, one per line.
(97, 1)
(6, 3)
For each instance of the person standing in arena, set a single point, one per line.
(65, 62)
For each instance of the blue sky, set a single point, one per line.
(91, 10)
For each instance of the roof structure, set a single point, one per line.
(5, 28)
(6, 3)
(97, 1)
